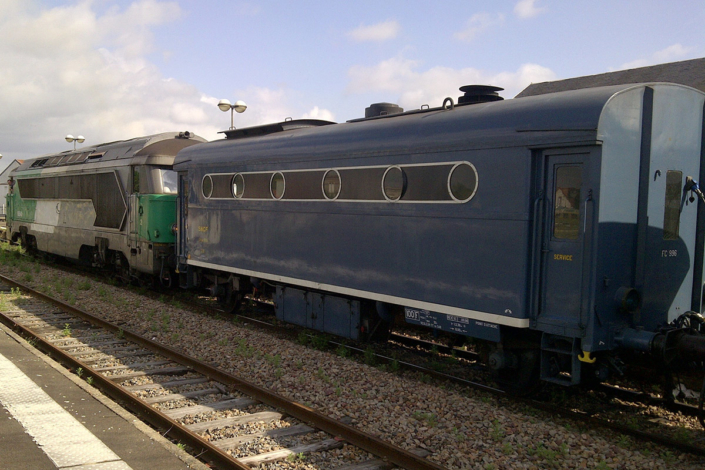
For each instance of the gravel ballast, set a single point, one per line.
(461, 428)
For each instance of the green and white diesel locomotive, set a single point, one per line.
(110, 205)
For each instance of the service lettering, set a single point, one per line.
(558, 257)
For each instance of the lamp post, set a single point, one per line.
(80, 139)
(239, 106)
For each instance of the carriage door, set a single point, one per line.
(562, 247)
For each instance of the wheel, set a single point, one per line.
(122, 269)
(522, 377)
(229, 299)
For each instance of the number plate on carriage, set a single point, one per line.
(453, 324)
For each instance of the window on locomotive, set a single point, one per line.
(135, 179)
(393, 183)
(238, 186)
(672, 206)
(207, 186)
(168, 180)
(462, 182)
(566, 202)
(277, 185)
(331, 184)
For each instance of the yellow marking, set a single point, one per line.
(558, 257)
(203, 228)
(585, 357)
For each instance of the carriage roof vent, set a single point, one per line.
(382, 109)
(479, 94)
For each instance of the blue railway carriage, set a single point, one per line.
(109, 205)
(557, 229)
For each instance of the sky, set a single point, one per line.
(113, 70)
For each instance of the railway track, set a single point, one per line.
(216, 414)
(572, 413)
(592, 418)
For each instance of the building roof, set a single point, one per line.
(8, 169)
(687, 72)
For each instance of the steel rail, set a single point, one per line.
(361, 439)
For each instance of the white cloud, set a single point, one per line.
(412, 88)
(69, 70)
(527, 9)
(477, 24)
(672, 53)
(318, 113)
(376, 32)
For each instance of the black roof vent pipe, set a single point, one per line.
(479, 94)
(382, 109)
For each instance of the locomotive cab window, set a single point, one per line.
(566, 203)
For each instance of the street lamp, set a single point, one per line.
(239, 106)
(80, 139)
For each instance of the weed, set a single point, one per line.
(319, 342)
(342, 351)
(546, 454)
(497, 432)
(79, 371)
(370, 356)
(430, 419)
(299, 364)
(274, 360)
(322, 375)
(102, 292)
(683, 435)
(27, 277)
(175, 337)
(624, 442)
(181, 446)
(223, 342)
(300, 457)
(303, 338)
(507, 448)
(490, 466)
(668, 457)
(602, 466)
(278, 373)
(121, 334)
(89, 380)
(427, 379)
(338, 391)
(302, 379)
(243, 349)
(394, 365)
(84, 285)
(67, 330)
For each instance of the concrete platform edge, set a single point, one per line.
(114, 407)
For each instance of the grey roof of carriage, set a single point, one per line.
(686, 72)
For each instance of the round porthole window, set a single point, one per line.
(331, 184)
(393, 183)
(277, 185)
(462, 182)
(207, 186)
(238, 186)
